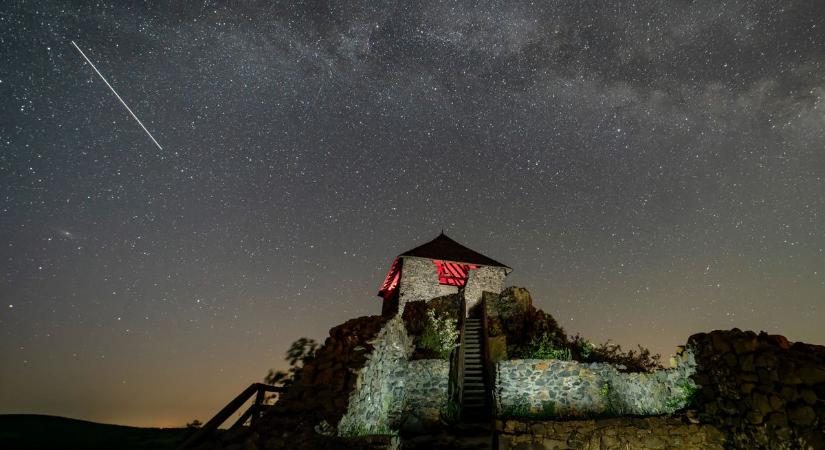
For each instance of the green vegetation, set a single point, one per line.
(640, 360)
(586, 348)
(521, 409)
(544, 348)
(439, 334)
(611, 408)
(533, 333)
(361, 429)
(451, 412)
(684, 398)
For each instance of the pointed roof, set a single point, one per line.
(444, 248)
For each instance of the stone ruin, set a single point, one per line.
(368, 385)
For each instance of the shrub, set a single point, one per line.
(684, 398)
(632, 360)
(299, 353)
(586, 348)
(531, 325)
(450, 412)
(544, 347)
(439, 335)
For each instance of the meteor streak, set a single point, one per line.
(116, 95)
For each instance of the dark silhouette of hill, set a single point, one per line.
(33, 431)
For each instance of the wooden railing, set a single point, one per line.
(456, 384)
(253, 413)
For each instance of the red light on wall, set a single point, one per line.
(453, 274)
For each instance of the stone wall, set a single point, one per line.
(376, 402)
(320, 391)
(490, 279)
(511, 302)
(390, 389)
(573, 389)
(419, 281)
(426, 388)
(668, 433)
(762, 390)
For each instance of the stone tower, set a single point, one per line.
(440, 267)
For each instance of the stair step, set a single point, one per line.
(473, 405)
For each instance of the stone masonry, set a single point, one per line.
(419, 281)
(662, 432)
(485, 278)
(573, 389)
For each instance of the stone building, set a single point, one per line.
(440, 267)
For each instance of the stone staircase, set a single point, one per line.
(474, 405)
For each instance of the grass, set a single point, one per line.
(32, 431)
(521, 409)
(451, 412)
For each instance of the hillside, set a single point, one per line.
(32, 431)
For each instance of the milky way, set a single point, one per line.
(649, 169)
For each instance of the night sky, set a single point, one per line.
(649, 169)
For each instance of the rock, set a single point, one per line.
(766, 360)
(811, 375)
(655, 443)
(745, 344)
(801, 415)
(760, 402)
(412, 425)
(754, 416)
(808, 396)
(552, 444)
(746, 363)
(776, 402)
(720, 344)
(788, 393)
(776, 340)
(777, 419)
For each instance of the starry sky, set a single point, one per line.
(650, 169)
